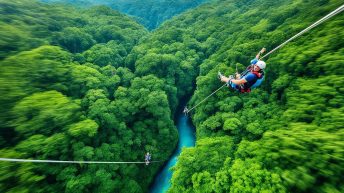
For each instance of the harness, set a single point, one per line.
(246, 88)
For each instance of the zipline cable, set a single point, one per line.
(328, 16)
(70, 162)
(205, 98)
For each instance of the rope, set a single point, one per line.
(205, 98)
(69, 162)
(328, 16)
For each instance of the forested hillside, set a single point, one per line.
(286, 136)
(150, 13)
(66, 94)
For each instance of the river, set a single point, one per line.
(186, 133)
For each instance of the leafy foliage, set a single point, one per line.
(150, 13)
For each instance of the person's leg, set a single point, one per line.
(224, 79)
(227, 80)
(234, 86)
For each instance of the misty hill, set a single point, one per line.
(150, 13)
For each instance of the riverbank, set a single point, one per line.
(186, 133)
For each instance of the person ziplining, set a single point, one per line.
(251, 78)
(148, 158)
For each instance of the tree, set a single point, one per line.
(74, 39)
(106, 54)
(44, 113)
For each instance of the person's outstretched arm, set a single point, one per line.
(260, 52)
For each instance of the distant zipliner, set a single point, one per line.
(237, 84)
(148, 158)
(251, 78)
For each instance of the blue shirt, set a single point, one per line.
(251, 79)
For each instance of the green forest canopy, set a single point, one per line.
(150, 13)
(74, 88)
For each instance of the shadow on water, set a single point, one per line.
(186, 133)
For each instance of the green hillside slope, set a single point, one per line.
(150, 13)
